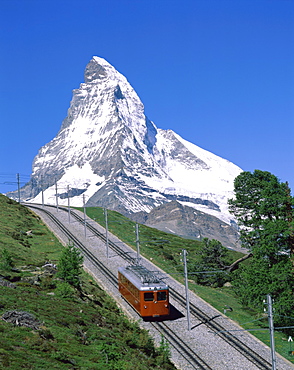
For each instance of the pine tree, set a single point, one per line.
(70, 266)
(263, 207)
(213, 257)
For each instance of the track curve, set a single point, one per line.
(194, 360)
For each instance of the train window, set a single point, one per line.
(148, 296)
(161, 296)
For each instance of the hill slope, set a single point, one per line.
(56, 326)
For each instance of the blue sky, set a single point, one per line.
(220, 73)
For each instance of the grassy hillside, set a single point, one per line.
(164, 250)
(72, 329)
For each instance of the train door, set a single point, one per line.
(155, 303)
(162, 302)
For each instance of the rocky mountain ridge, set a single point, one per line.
(108, 153)
(176, 218)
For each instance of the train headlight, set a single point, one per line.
(145, 306)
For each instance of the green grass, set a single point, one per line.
(28, 248)
(154, 244)
(249, 319)
(74, 332)
(164, 250)
(85, 331)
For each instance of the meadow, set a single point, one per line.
(76, 328)
(165, 251)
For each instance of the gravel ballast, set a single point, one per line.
(218, 354)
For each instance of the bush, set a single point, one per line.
(64, 290)
(163, 352)
(70, 266)
(213, 259)
(6, 262)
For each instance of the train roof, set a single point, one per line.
(142, 278)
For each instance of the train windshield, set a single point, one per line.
(148, 296)
(161, 296)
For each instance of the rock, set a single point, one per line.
(7, 283)
(188, 222)
(21, 318)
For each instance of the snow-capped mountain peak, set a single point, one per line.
(108, 151)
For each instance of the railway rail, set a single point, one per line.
(189, 354)
(219, 329)
(193, 359)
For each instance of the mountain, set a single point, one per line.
(108, 153)
(176, 218)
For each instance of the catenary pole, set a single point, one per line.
(68, 205)
(84, 205)
(106, 232)
(184, 253)
(42, 188)
(271, 330)
(18, 187)
(137, 243)
(56, 195)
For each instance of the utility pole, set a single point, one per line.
(68, 206)
(137, 243)
(42, 191)
(271, 330)
(56, 195)
(106, 232)
(184, 254)
(18, 187)
(84, 215)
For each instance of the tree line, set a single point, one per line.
(263, 207)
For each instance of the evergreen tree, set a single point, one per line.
(213, 257)
(263, 207)
(70, 265)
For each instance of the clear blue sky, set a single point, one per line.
(220, 73)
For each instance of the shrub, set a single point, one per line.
(6, 262)
(163, 351)
(70, 266)
(64, 290)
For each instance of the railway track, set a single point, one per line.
(189, 354)
(221, 331)
(195, 361)
(177, 342)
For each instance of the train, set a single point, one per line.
(144, 291)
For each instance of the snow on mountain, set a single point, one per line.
(108, 153)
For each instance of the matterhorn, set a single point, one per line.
(107, 153)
